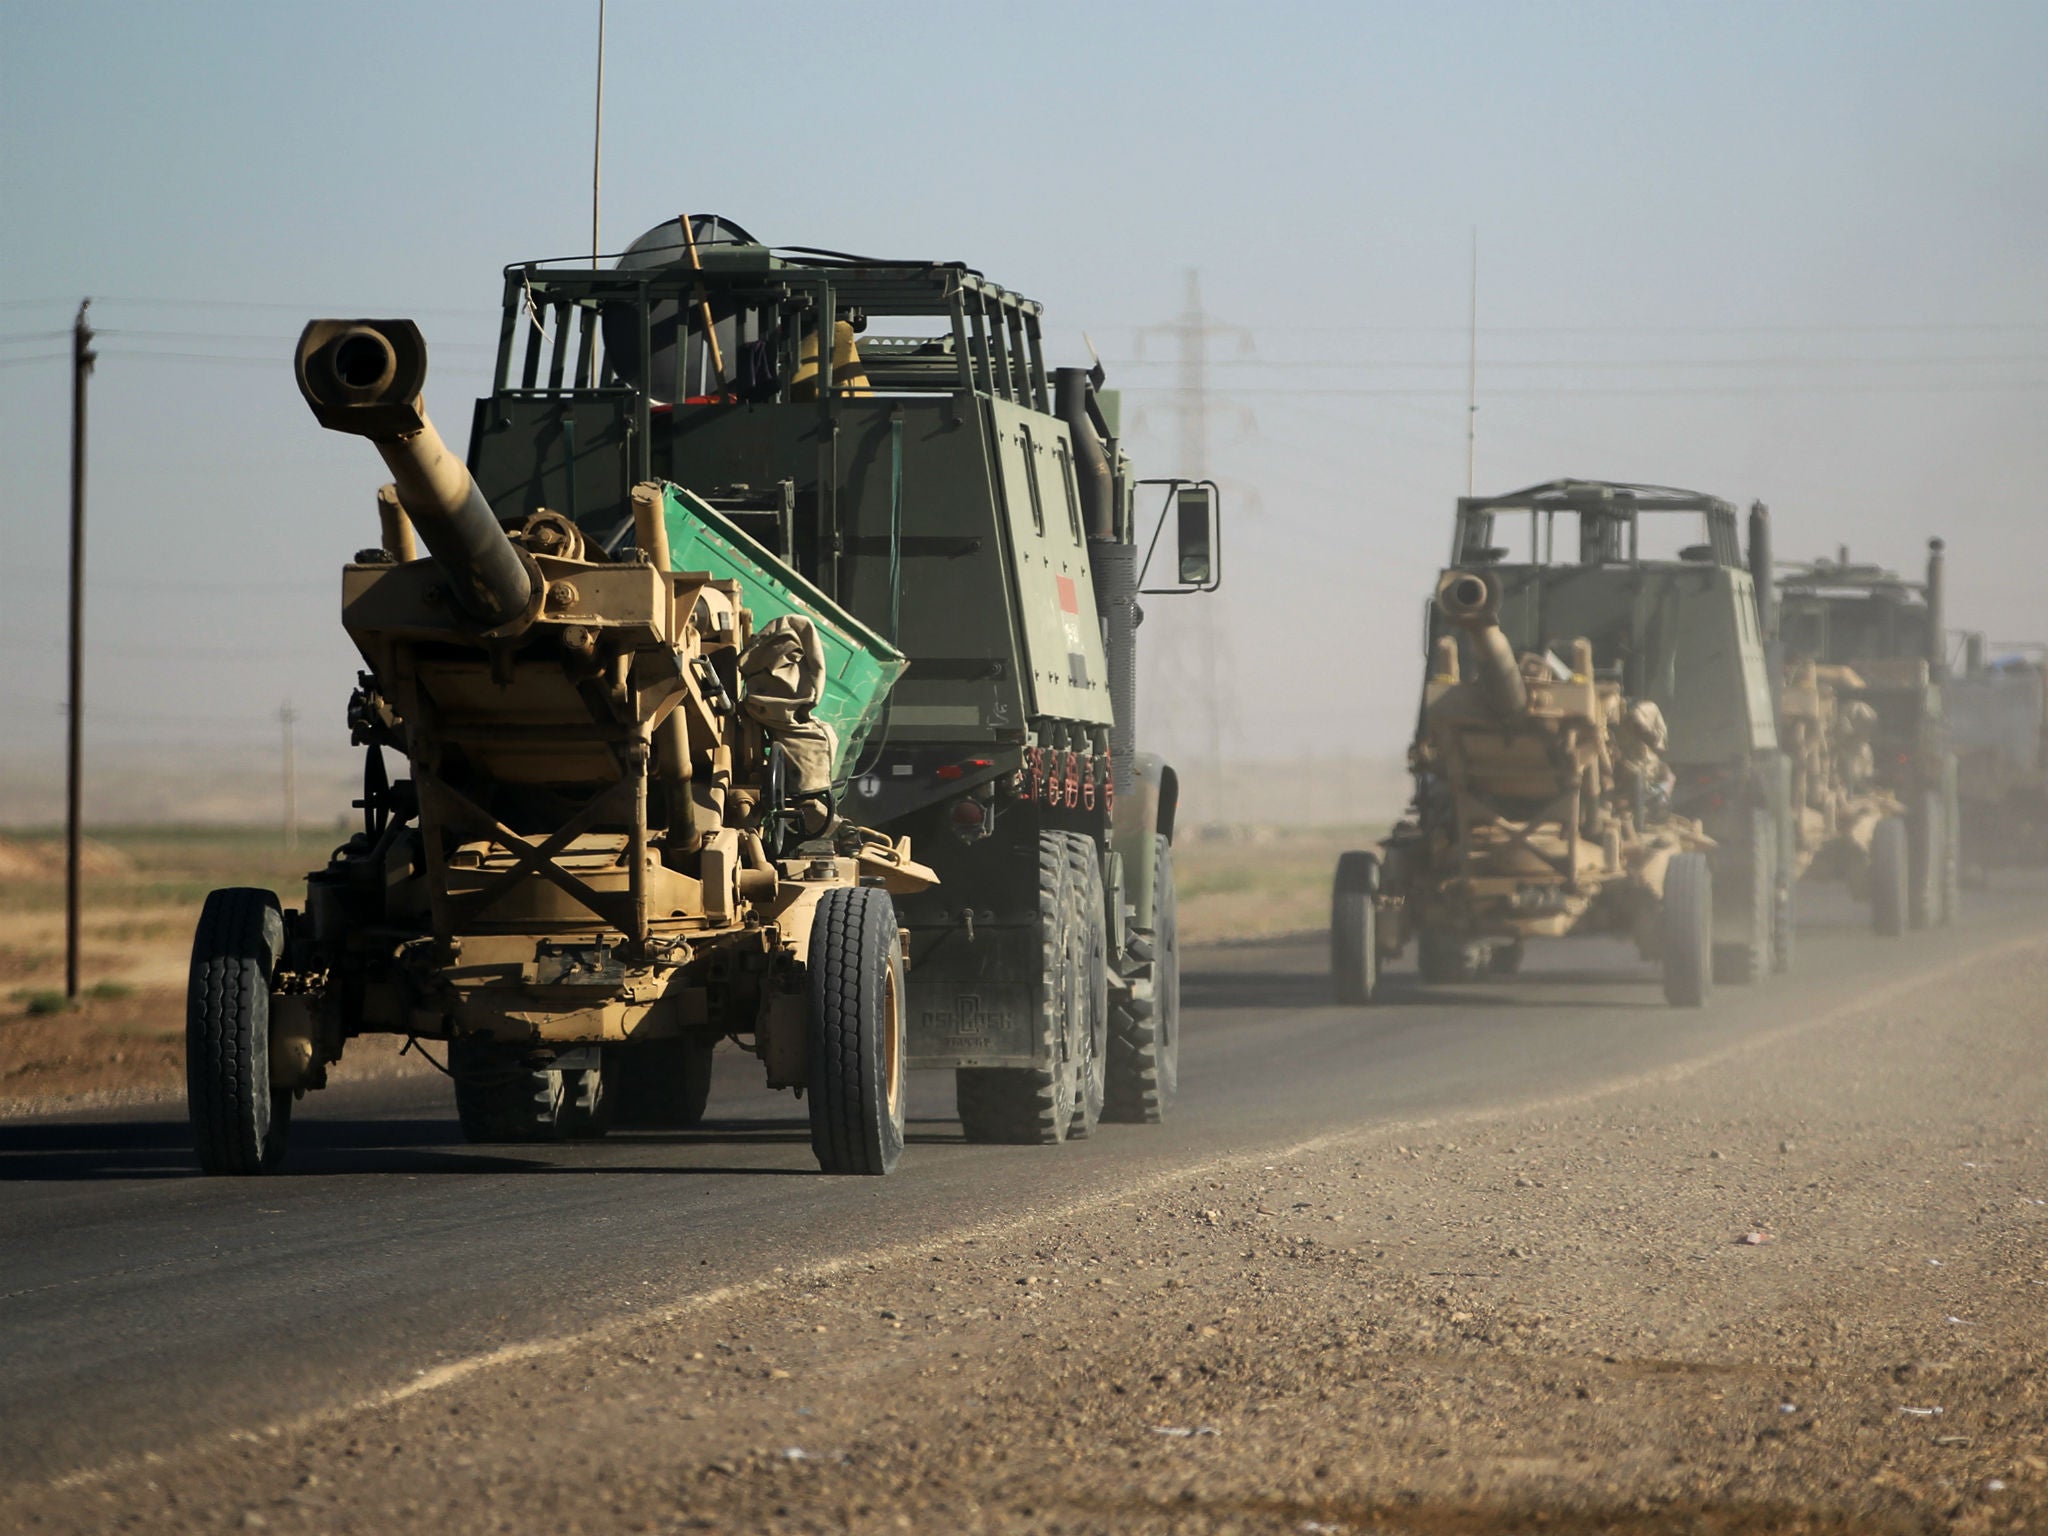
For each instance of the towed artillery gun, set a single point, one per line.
(615, 846)
(1596, 753)
(1998, 724)
(1877, 645)
(891, 431)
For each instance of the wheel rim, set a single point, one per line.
(892, 1045)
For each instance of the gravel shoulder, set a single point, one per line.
(1542, 1320)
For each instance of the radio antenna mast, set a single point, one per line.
(597, 146)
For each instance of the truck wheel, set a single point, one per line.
(1443, 957)
(1747, 885)
(856, 1062)
(1506, 959)
(1888, 877)
(1926, 856)
(1952, 864)
(662, 1085)
(502, 1097)
(1688, 930)
(239, 1122)
(1783, 928)
(1354, 929)
(1144, 1033)
(1034, 1105)
(1090, 976)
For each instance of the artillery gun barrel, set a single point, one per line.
(1471, 602)
(364, 377)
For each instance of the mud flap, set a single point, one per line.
(971, 1000)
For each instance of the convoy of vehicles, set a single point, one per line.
(769, 675)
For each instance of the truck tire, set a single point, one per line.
(1784, 927)
(1443, 957)
(662, 1085)
(1746, 885)
(1888, 878)
(240, 1124)
(1506, 959)
(855, 1086)
(1952, 864)
(1926, 860)
(1688, 930)
(502, 1097)
(1354, 929)
(1143, 1073)
(1090, 977)
(1035, 1105)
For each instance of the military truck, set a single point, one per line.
(1998, 723)
(1888, 633)
(1596, 751)
(614, 847)
(892, 431)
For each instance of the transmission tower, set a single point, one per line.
(1190, 679)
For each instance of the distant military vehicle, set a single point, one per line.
(1998, 726)
(1597, 752)
(1887, 633)
(890, 431)
(614, 847)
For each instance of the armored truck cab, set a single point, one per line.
(892, 430)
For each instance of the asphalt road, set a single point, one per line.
(142, 1306)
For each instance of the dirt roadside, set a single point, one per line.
(1542, 1321)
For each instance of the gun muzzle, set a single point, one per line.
(364, 376)
(1470, 601)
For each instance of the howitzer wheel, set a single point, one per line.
(1144, 1032)
(1089, 976)
(856, 1087)
(1354, 935)
(1688, 930)
(1889, 877)
(240, 1124)
(1032, 1105)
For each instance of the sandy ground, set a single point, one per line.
(1794, 1288)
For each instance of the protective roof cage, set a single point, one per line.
(1607, 513)
(570, 328)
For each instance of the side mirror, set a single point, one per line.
(1195, 514)
(1194, 507)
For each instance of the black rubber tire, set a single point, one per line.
(1784, 927)
(1143, 1075)
(1506, 959)
(1090, 978)
(855, 1082)
(1688, 921)
(1444, 958)
(1889, 878)
(661, 1085)
(1745, 885)
(502, 1097)
(240, 1124)
(1032, 1106)
(1952, 863)
(1354, 929)
(1926, 859)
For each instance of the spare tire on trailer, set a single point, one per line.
(1354, 928)
(1688, 930)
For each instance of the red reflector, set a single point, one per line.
(981, 762)
(951, 771)
(1715, 802)
(969, 814)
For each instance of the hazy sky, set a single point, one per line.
(1797, 252)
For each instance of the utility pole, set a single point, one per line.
(1472, 373)
(1191, 332)
(289, 717)
(74, 744)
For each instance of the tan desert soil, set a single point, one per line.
(1539, 1321)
